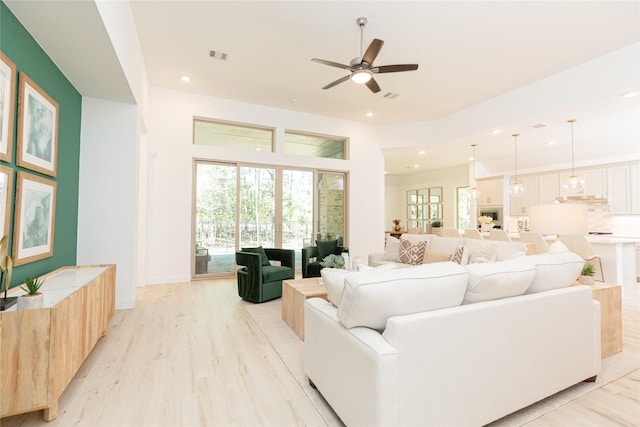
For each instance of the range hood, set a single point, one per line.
(599, 198)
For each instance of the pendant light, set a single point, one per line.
(575, 183)
(473, 191)
(516, 189)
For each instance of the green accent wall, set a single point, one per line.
(24, 51)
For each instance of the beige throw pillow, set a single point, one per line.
(411, 252)
(435, 256)
(392, 249)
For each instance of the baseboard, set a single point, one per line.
(164, 280)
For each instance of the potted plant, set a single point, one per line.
(436, 227)
(333, 261)
(33, 297)
(586, 275)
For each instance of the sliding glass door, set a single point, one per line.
(240, 206)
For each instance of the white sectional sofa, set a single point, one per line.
(503, 250)
(448, 345)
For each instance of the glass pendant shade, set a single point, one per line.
(575, 183)
(361, 76)
(516, 189)
(473, 190)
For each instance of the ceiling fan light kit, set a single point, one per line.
(361, 68)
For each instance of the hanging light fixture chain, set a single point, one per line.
(515, 137)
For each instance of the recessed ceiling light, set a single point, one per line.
(415, 166)
(185, 79)
(630, 94)
(293, 100)
(552, 142)
(369, 114)
(495, 131)
(421, 152)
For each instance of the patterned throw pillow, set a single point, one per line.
(392, 249)
(411, 252)
(458, 255)
(486, 252)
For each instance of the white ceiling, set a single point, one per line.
(468, 52)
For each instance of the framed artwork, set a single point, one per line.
(7, 105)
(37, 128)
(6, 193)
(34, 218)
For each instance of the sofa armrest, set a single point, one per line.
(376, 259)
(287, 257)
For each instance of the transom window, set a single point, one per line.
(304, 144)
(232, 135)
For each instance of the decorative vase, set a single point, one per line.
(396, 225)
(585, 280)
(487, 227)
(28, 302)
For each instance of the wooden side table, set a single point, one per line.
(610, 297)
(294, 294)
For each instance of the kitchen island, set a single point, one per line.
(618, 259)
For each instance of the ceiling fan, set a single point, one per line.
(362, 68)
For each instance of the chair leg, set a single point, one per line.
(601, 271)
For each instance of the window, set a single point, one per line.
(314, 145)
(463, 211)
(232, 135)
(423, 207)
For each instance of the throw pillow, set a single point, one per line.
(458, 255)
(333, 279)
(411, 252)
(259, 250)
(326, 248)
(435, 256)
(486, 252)
(392, 249)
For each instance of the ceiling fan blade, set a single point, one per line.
(372, 51)
(331, 63)
(337, 82)
(373, 86)
(395, 68)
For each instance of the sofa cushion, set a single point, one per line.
(259, 250)
(431, 255)
(446, 244)
(333, 279)
(274, 273)
(411, 252)
(553, 270)
(489, 281)
(392, 249)
(371, 297)
(503, 250)
(326, 248)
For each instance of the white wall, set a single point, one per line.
(108, 197)
(449, 179)
(171, 154)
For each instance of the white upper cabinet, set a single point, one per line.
(595, 182)
(491, 192)
(619, 190)
(520, 205)
(549, 188)
(635, 189)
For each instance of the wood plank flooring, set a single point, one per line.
(188, 355)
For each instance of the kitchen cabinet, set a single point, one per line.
(491, 192)
(548, 188)
(595, 182)
(520, 205)
(634, 171)
(619, 189)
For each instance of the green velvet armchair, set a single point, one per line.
(258, 279)
(312, 256)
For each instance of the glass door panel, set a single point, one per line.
(331, 205)
(297, 210)
(257, 207)
(215, 221)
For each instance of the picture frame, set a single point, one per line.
(7, 105)
(6, 196)
(34, 225)
(37, 128)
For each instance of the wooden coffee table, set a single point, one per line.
(294, 294)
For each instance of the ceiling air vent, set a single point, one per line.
(218, 55)
(391, 95)
(538, 126)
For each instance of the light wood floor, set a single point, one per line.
(188, 355)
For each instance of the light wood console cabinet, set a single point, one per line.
(42, 349)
